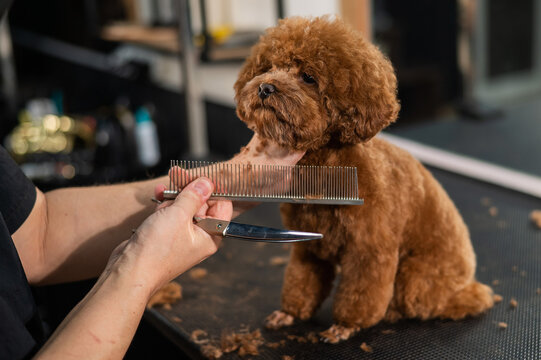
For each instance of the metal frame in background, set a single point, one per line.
(195, 105)
(509, 86)
(7, 65)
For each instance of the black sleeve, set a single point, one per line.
(4, 5)
(17, 193)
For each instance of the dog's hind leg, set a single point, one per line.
(307, 282)
(426, 290)
(473, 299)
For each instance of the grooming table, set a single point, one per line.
(242, 288)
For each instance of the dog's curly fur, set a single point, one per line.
(406, 253)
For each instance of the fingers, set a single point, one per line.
(215, 209)
(220, 210)
(158, 191)
(194, 196)
(179, 177)
(164, 205)
(202, 212)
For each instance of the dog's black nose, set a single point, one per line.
(265, 90)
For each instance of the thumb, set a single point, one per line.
(194, 195)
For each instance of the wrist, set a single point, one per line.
(127, 271)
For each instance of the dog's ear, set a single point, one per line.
(370, 102)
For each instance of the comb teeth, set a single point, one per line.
(335, 185)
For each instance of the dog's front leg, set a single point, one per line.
(364, 292)
(307, 282)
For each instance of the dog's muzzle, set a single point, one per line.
(265, 90)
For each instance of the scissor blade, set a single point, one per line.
(261, 233)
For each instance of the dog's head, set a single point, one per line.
(313, 82)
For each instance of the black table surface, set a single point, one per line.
(242, 287)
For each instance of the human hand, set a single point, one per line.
(168, 242)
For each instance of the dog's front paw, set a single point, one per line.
(278, 319)
(337, 333)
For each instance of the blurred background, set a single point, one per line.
(100, 91)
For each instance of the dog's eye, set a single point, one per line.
(308, 78)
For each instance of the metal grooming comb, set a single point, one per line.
(333, 185)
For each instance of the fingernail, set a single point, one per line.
(202, 186)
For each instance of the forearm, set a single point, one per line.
(102, 325)
(167, 244)
(85, 224)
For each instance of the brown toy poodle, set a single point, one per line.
(316, 85)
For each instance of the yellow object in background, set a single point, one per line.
(50, 134)
(220, 34)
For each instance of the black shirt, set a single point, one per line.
(20, 326)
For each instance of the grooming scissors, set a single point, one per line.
(230, 229)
